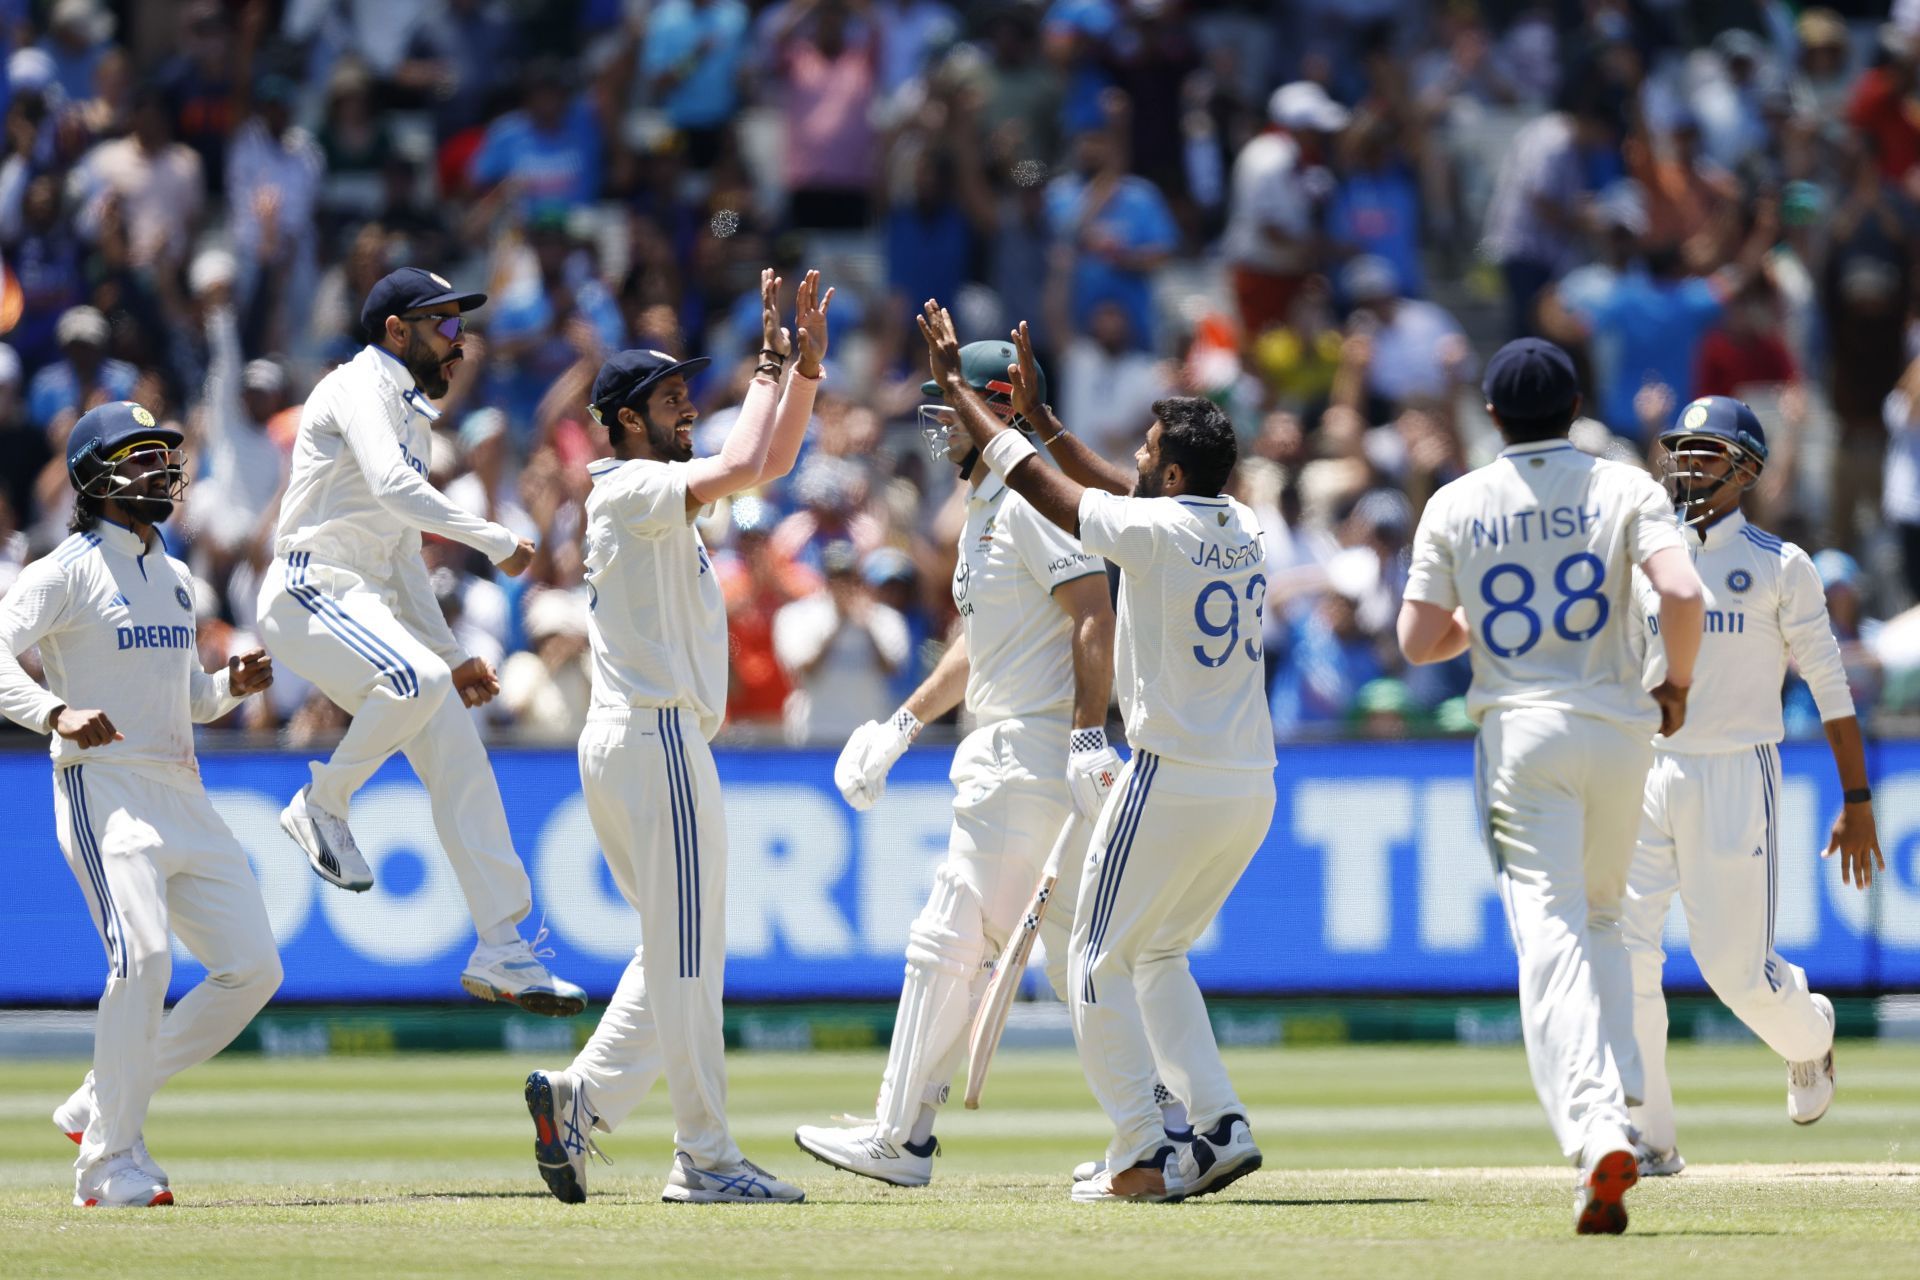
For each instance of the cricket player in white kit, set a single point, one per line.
(1194, 802)
(1034, 664)
(659, 635)
(113, 616)
(1528, 563)
(1710, 830)
(346, 603)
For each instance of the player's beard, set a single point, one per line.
(665, 441)
(1149, 485)
(428, 370)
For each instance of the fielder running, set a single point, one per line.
(659, 634)
(346, 604)
(1194, 802)
(1711, 824)
(113, 616)
(1034, 664)
(1527, 562)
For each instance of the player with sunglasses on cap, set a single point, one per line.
(112, 614)
(658, 628)
(346, 603)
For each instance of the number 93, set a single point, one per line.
(1208, 605)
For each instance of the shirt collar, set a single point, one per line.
(988, 493)
(119, 538)
(1723, 530)
(396, 371)
(1530, 448)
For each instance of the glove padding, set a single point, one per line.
(1092, 768)
(861, 770)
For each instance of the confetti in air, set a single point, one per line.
(1029, 173)
(724, 223)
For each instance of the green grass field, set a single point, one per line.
(1381, 1162)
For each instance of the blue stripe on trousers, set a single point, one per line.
(686, 849)
(350, 630)
(1119, 846)
(1768, 848)
(693, 838)
(111, 927)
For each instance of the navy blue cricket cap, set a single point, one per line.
(629, 374)
(1530, 378)
(407, 290)
(106, 429)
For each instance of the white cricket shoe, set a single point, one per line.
(1599, 1207)
(1810, 1083)
(562, 1134)
(76, 1113)
(118, 1182)
(743, 1183)
(863, 1151)
(1659, 1164)
(1088, 1170)
(514, 973)
(327, 842)
(1222, 1155)
(1152, 1181)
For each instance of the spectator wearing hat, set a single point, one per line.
(79, 33)
(1273, 235)
(895, 582)
(690, 61)
(1418, 354)
(842, 649)
(84, 375)
(1823, 64)
(547, 686)
(1328, 655)
(486, 486)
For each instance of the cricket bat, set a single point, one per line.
(1004, 983)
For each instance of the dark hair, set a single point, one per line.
(1197, 434)
(86, 513)
(1533, 430)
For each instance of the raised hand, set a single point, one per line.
(772, 336)
(810, 323)
(1025, 377)
(943, 344)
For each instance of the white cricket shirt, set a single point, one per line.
(114, 622)
(1187, 663)
(657, 623)
(1765, 605)
(1019, 641)
(1539, 545)
(357, 490)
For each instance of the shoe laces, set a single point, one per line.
(1805, 1075)
(538, 948)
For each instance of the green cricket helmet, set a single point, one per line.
(983, 365)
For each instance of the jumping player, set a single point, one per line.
(1194, 802)
(1710, 829)
(346, 603)
(659, 635)
(1527, 562)
(113, 616)
(1034, 664)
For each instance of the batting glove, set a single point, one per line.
(861, 770)
(1092, 768)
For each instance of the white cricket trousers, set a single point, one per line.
(1710, 829)
(653, 796)
(1170, 845)
(1557, 794)
(337, 630)
(151, 856)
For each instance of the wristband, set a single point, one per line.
(1006, 451)
(777, 357)
(906, 723)
(1859, 795)
(769, 368)
(1055, 436)
(1094, 739)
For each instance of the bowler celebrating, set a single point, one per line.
(658, 628)
(1711, 824)
(1527, 562)
(1192, 805)
(113, 616)
(346, 603)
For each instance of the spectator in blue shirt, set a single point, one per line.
(549, 151)
(77, 38)
(84, 371)
(1116, 229)
(1328, 658)
(691, 66)
(929, 241)
(1376, 206)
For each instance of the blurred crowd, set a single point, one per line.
(1322, 213)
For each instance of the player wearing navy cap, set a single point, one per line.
(113, 616)
(1528, 562)
(1710, 828)
(658, 630)
(346, 604)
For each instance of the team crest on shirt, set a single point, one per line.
(986, 534)
(186, 601)
(1222, 518)
(1739, 580)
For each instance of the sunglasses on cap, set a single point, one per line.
(448, 327)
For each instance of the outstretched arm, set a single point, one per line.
(744, 454)
(1002, 448)
(1077, 462)
(796, 401)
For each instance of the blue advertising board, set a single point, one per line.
(1372, 879)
